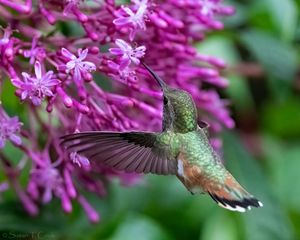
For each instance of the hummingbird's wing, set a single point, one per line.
(130, 151)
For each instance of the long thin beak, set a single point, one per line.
(161, 83)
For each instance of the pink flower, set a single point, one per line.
(135, 20)
(50, 180)
(35, 52)
(171, 31)
(127, 53)
(3, 186)
(208, 7)
(77, 65)
(6, 35)
(8, 129)
(81, 161)
(38, 87)
(69, 5)
(72, 6)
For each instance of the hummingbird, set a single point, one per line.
(181, 149)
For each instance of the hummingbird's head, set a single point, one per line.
(180, 111)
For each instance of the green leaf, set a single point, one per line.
(269, 222)
(283, 163)
(8, 99)
(278, 58)
(13, 217)
(282, 119)
(285, 16)
(139, 227)
(259, 16)
(71, 29)
(103, 81)
(240, 16)
(225, 225)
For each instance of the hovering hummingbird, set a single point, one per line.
(181, 149)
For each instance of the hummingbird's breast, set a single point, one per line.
(196, 148)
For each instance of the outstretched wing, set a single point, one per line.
(132, 151)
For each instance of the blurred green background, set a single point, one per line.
(261, 45)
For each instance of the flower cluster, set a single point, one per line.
(60, 76)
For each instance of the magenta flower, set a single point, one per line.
(170, 29)
(72, 6)
(134, 20)
(81, 161)
(3, 186)
(8, 129)
(50, 180)
(77, 65)
(35, 53)
(208, 7)
(127, 53)
(6, 35)
(69, 5)
(38, 87)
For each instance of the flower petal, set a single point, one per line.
(47, 196)
(24, 95)
(135, 60)
(132, 34)
(142, 9)
(113, 65)
(27, 53)
(70, 65)
(15, 139)
(67, 54)
(123, 45)
(77, 74)
(26, 76)
(17, 83)
(82, 54)
(48, 92)
(52, 82)
(47, 76)
(38, 70)
(140, 49)
(115, 51)
(88, 66)
(2, 142)
(122, 21)
(124, 63)
(128, 11)
(36, 101)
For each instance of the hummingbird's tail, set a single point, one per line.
(233, 196)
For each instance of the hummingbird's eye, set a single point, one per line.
(165, 101)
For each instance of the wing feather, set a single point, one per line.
(131, 151)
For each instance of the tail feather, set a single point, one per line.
(233, 196)
(236, 205)
(219, 184)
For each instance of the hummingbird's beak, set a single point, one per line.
(161, 83)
